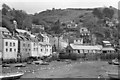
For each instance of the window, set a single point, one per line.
(41, 50)
(76, 40)
(28, 45)
(14, 50)
(10, 49)
(78, 51)
(13, 44)
(10, 44)
(34, 49)
(26, 49)
(29, 49)
(6, 43)
(6, 50)
(24, 45)
(34, 44)
(82, 29)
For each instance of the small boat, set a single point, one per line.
(113, 75)
(11, 76)
(114, 61)
(38, 62)
(19, 65)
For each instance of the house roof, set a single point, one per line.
(34, 39)
(75, 46)
(22, 31)
(108, 48)
(106, 42)
(7, 36)
(4, 29)
(43, 43)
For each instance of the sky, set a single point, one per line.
(35, 6)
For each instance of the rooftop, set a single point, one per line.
(108, 48)
(4, 29)
(96, 47)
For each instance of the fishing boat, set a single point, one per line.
(114, 61)
(11, 76)
(113, 75)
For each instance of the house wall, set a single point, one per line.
(44, 50)
(1, 44)
(48, 50)
(46, 39)
(25, 49)
(78, 41)
(34, 49)
(10, 51)
(39, 50)
(83, 30)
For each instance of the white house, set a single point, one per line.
(45, 48)
(78, 41)
(34, 46)
(75, 48)
(8, 44)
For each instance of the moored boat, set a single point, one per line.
(113, 75)
(11, 76)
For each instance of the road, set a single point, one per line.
(75, 69)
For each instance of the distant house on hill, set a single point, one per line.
(84, 31)
(78, 41)
(37, 28)
(108, 50)
(106, 43)
(41, 27)
(71, 25)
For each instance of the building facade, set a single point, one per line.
(75, 48)
(24, 44)
(34, 47)
(8, 45)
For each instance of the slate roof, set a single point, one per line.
(4, 29)
(7, 36)
(108, 48)
(75, 46)
(106, 42)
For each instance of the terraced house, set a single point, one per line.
(24, 44)
(44, 48)
(8, 45)
(34, 46)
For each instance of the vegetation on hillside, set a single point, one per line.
(94, 19)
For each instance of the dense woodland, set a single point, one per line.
(54, 19)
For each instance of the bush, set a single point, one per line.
(109, 56)
(64, 56)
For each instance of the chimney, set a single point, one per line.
(15, 25)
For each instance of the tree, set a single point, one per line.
(5, 9)
(108, 13)
(56, 28)
(98, 13)
(20, 16)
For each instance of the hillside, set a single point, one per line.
(62, 14)
(94, 19)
